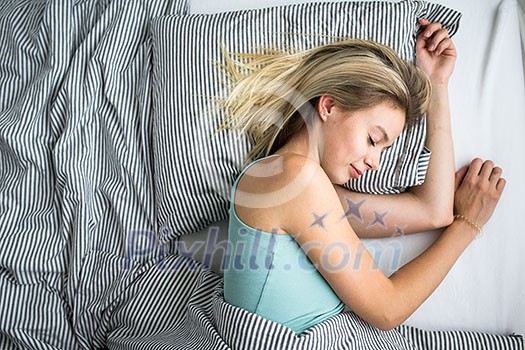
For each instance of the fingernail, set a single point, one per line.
(427, 33)
(432, 47)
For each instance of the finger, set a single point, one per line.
(460, 175)
(421, 43)
(486, 169)
(423, 22)
(446, 46)
(436, 39)
(430, 29)
(500, 186)
(495, 175)
(420, 38)
(474, 168)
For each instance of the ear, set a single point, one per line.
(325, 106)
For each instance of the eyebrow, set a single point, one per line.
(383, 131)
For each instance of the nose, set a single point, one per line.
(372, 160)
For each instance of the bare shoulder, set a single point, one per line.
(284, 177)
(305, 178)
(278, 189)
(312, 195)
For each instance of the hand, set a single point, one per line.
(435, 52)
(478, 190)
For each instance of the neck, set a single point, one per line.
(304, 143)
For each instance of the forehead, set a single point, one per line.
(384, 113)
(385, 109)
(385, 117)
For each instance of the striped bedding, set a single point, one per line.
(196, 193)
(80, 263)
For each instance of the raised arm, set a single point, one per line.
(340, 256)
(429, 205)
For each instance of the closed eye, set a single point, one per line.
(371, 140)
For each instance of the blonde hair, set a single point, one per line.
(273, 94)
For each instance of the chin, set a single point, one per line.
(337, 178)
(340, 180)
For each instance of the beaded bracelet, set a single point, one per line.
(471, 223)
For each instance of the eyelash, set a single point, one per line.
(372, 142)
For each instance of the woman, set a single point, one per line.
(316, 119)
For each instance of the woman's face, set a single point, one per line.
(352, 141)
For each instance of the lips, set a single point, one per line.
(356, 172)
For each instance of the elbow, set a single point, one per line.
(390, 314)
(386, 318)
(443, 219)
(441, 216)
(386, 309)
(437, 212)
(388, 322)
(387, 327)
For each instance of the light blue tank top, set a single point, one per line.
(270, 275)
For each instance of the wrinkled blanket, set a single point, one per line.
(80, 264)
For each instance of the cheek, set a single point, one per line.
(355, 149)
(343, 151)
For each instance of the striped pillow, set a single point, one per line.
(195, 167)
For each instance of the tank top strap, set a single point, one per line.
(234, 188)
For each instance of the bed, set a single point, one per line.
(84, 259)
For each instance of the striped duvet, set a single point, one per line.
(80, 263)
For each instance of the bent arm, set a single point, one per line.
(344, 262)
(423, 207)
(429, 205)
(437, 192)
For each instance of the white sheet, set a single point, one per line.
(485, 291)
